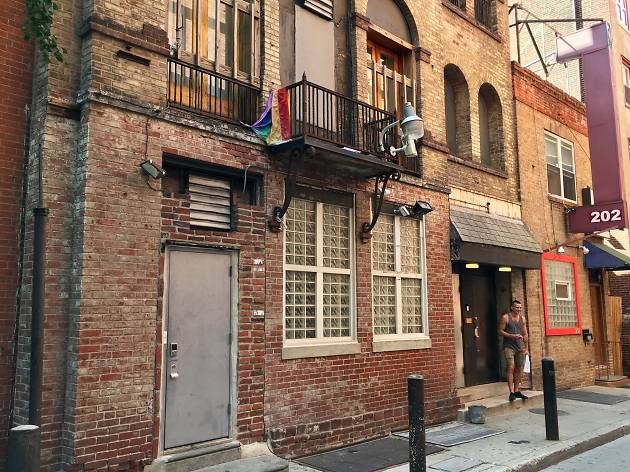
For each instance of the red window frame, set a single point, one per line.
(561, 331)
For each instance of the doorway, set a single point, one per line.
(479, 326)
(198, 359)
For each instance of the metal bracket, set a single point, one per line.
(379, 195)
(295, 162)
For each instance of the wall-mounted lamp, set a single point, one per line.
(472, 265)
(585, 250)
(561, 250)
(505, 269)
(412, 128)
(419, 208)
(152, 169)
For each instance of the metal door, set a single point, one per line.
(479, 327)
(198, 353)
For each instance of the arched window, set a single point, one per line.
(490, 127)
(457, 112)
(390, 63)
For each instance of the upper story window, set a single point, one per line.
(625, 71)
(221, 35)
(622, 12)
(318, 270)
(560, 167)
(389, 57)
(486, 13)
(461, 4)
(398, 284)
(560, 294)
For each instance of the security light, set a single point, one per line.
(561, 250)
(505, 269)
(412, 128)
(585, 250)
(153, 170)
(421, 208)
(402, 210)
(472, 265)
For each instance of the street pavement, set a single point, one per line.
(611, 457)
(523, 447)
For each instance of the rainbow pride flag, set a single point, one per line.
(274, 124)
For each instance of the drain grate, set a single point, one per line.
(592, 397)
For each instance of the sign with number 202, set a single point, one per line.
(600, 217)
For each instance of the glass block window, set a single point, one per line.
(562, 310)
(560, 167)
(318, 259)
(398, 286)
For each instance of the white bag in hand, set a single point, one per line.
(527, 368)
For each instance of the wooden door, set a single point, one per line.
(614, 321)
(599, 335)
(479, 327)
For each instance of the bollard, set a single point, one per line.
(24, 449)
(417, 445)
(551, 402)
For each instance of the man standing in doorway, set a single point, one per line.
(514, 331)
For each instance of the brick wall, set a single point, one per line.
(539, 107)
(320, 403)
(15, 82)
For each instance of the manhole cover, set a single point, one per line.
(541, 411)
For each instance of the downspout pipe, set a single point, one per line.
(37, 319)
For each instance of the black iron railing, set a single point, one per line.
(484, 13)
(210, 93)
(461, 4)
(329, 116)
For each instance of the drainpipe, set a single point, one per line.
(37, 319)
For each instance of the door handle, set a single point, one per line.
(476, 326)
(173, 373)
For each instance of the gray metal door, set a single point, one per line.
(198, 347)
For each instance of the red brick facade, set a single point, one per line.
(15, 83)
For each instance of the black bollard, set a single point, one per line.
(24, 449)
(551, 402)
(417, 445)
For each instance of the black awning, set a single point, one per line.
(490, 239)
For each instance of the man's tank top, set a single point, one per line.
(514, 327)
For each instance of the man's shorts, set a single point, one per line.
(513, 357)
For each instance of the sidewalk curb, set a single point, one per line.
(571, 449)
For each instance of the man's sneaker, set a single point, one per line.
(520, 395)
(513, 397)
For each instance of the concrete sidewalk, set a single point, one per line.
(523, 446)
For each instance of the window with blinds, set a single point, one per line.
(210, 202)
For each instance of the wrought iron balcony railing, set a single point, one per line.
(320, 113)
(209, 93)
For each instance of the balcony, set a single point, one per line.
(209, 93)
(340, 133)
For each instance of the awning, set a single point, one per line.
(601, 256)
(491, 239)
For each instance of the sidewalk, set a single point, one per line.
(523, 446)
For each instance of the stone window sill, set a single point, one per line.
(475, 165)
(384, 345)
(562, 201)
(471, 20)
(320, 350)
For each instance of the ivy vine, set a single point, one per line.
(38, 25)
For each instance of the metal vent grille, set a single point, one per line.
(323, 8)
(210, 202)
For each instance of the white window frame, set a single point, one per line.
(625, 75)
(319, 270)
(621, 8)
(559, 142)
(386, 342)
(567, 285)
